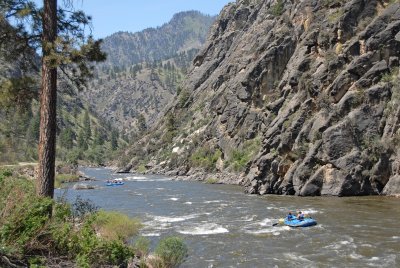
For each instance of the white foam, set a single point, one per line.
(396, 237)
(249, 218)
(310, 211)
(212, 201)
(144, 179)
(266, 222)
(205, 229)
(188, 203)
(174, 219)
(135, 178)
(293, 256)
(174, 199)
(356, 256)
(264, 231)
(151, 234)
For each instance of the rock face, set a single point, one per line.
(317, 82)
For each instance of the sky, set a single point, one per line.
(110, 16)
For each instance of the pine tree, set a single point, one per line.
(58, 32)
(141, 123)
(86, 126)
(82, 141)
(114, 140)
(67, 138)
(98, 138)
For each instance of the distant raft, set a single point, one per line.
(116, 182)
(294, 222)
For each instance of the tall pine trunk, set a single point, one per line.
(48, 99)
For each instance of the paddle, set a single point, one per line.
(279, 222)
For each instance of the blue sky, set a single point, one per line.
(135, 15)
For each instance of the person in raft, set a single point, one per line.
(290, 216)
(300, 216)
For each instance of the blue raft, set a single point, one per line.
(118, 183)
(306, 222)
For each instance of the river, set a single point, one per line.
(223, 227)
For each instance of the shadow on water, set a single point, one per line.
(225, 228)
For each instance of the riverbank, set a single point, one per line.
(224, 178)
(42, 232)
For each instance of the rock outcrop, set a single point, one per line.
(316, 82)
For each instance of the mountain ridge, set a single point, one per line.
(146, 68)
(160, 43)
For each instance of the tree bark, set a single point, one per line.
(48, 99)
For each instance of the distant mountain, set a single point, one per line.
(144, 70)
(186, 31)
(81, 134)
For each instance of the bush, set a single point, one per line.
(113, 225)
(142, 246)
(278, 8)
(65, 178)
(205, 157)
(211, 181)
(75, 232)
(172, 251)
(141, 169)
(22, 225)
(82, 207)
(240, 157)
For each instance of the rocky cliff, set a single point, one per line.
(298, 97)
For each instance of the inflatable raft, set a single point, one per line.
(306, 222)
(117, 183)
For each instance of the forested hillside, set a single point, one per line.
(144, 71)
(81, 134)
(185, 31)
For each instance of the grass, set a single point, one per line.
(65, 178)
(211, 181)
(114, 225)
(205, 157)
(141, 169)
(172, 251)
(239, 158)
(278, 8)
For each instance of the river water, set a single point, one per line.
(223, 227)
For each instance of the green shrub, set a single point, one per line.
(211, 181)
(239, 158)
(205, 157)
(82, 207)
(142, 246)
(172, 251)
(65, 178)
(278, 8)
(114, 225)
(141, 169)
(24, 221)
(75, 232)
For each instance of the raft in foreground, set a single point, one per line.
(300, 223)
